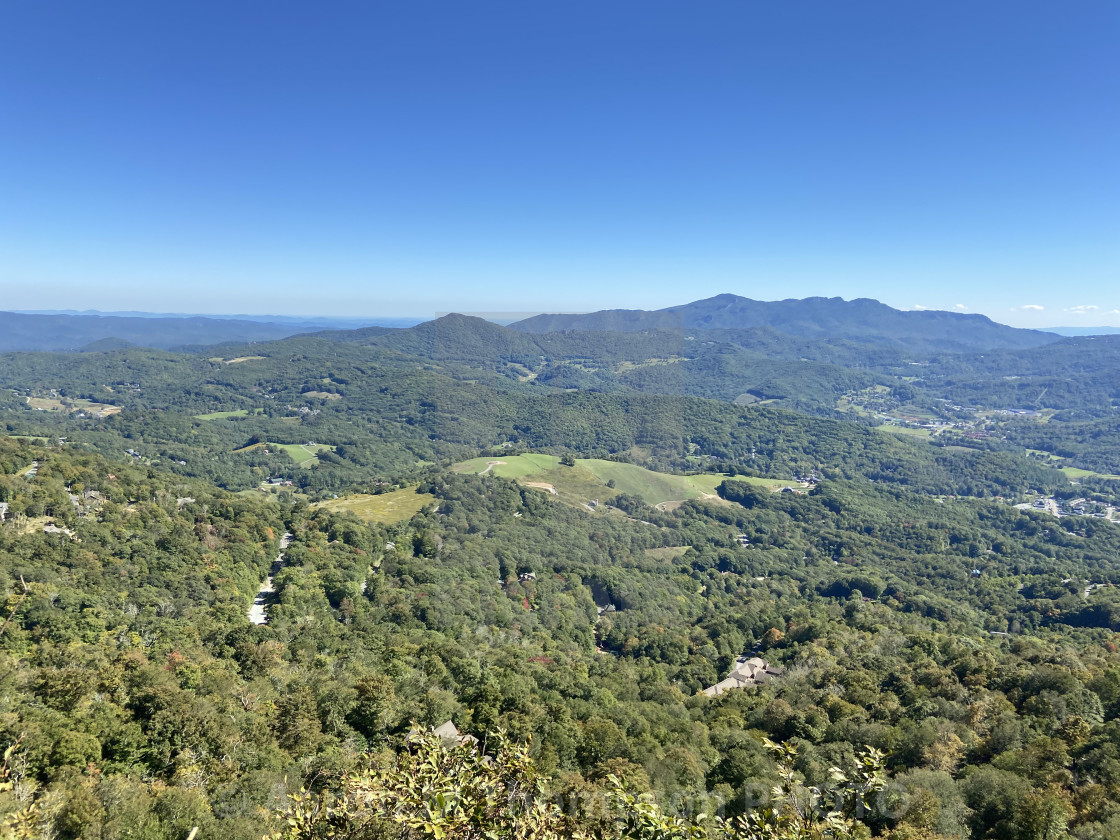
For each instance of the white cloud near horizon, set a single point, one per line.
(1084, 309)
(1032, 306)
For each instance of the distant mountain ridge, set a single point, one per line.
(303, 322)
(21, 332)
(1075, 331)
(861, 319)
(724, 318)
(93, 331)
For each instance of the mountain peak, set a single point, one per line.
(861, 319)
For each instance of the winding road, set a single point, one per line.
(258, 613)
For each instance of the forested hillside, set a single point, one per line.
(208, 418)
(955, 636)
(910, 589)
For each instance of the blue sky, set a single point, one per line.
(404, 159)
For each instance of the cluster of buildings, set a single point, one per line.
(746, 673)
(1072, 507)
(522, 578)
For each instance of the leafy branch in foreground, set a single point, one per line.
(20, 822)
(456, 792)
(431, 789)
(797, 812)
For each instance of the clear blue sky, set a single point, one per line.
(410, 158)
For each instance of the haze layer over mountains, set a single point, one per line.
(861, 320)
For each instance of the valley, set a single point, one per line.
(250, 568)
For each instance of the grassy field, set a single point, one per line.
(221, 415)
(301, 453)
(45, 404)
(385, 508)
(623, 367)
(904, 430)
(1077, 472)
(73, 404)
(588, 479)
(97, 408)
(35, 524)
(235, 361)
(668, 553)
(517, 466)
(1053, 460)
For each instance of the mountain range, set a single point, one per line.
(68, 330)
(738, 319)
(861, 319)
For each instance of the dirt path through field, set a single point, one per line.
(490, 465)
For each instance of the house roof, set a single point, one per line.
(749, 672)
(451, 734)
(447, 730)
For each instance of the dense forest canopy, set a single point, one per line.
(875, 531)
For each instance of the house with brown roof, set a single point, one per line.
(746, 673)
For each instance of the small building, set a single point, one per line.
(746, 673)
(451, 736)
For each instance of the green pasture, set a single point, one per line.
(904, 430)
(301, 453)
(221, 415)
(668, 553)
(516, 466)
(588, 479)
(1077, 472)
(385, 508)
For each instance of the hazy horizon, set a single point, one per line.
(399, 160)
(503, 318)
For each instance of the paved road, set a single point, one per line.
(258, 613)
